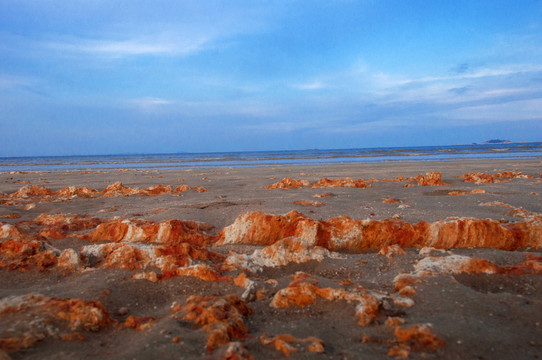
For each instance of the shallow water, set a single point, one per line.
(271, 158)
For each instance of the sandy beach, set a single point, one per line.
(421, 260)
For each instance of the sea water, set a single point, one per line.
(272, 158)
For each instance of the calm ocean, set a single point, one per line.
(271, 158)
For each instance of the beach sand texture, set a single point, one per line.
(421, 260)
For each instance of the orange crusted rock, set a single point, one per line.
(138, 323)
(11, 216)
(298, 293)
(512, 175)
(478, 178)
(391, 250)
(20, 253)
(531, 265)
(346, 182)
(156, 190)
(165, 232)
(119, 255)
(455, 264)
(174, 260)
(304, 291)
(30, 318)
(403, 284)
(288, 184)
(309, 203)
(72, 191)
(201, 271)
(8, 230)
(522, 212)
(394, 321)
(389, 200)
(416, 338)
(359, 235)
(31, 190)
(464, 192)
(322, 195)
(263, 229)
(242, 280)
(283, 343)
(182, 188)
(431, 179)
(220, 316)
(233, 351)
(117, 189)
(58, 226)
(69, 260)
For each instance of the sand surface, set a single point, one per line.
(343, 303)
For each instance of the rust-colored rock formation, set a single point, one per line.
(23, 253)
(220, 316)
(360, 235)
(59, 226)
(309, 203)
(478, 178)
(72, 191)
(283, 343)
(27, 319)
(171, 260)
(116, 189)
(234, 350)
(30, 190)
(390, 251)
(454, 264)
(415, 338)
(138, 323)
(346, 182)
(322, 195)
(483, 178)
(281, 253)
(166, 232)
(304, 290)
(431, 179)
(512, 175)
(465, 192)
(288, 184)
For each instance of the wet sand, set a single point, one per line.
(488, 311)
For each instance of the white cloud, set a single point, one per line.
(159, 44)
(314, 85)
(148, 104)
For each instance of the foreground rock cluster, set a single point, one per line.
(266, 285)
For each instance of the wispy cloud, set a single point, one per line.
(519, 110)
(479, 73)
(314, 85)
(159, 44)
(148, 104)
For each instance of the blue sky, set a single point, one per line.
(109, 77)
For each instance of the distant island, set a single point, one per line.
(497, 141)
